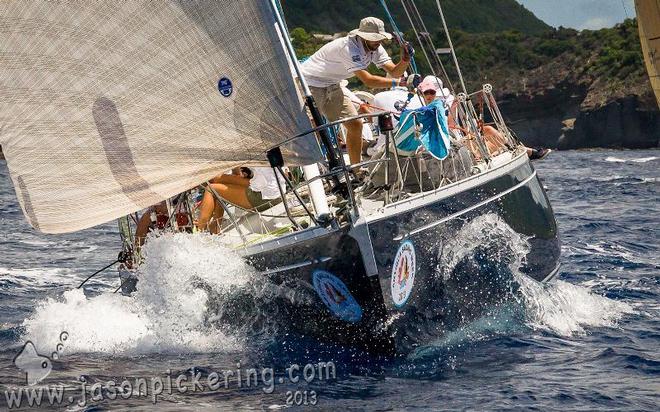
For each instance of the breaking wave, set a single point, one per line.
(166, 314)
(624, 180)
(566, 309)
(613, 159)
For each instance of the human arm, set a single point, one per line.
(142, 228)
(396, 70)
(375, 81)
(380, 82)
(233, 179)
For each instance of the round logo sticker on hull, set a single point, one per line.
(403, 273)
(335, 295)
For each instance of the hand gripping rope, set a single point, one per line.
(399, 37)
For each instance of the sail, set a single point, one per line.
(109, 107)
(648, 21)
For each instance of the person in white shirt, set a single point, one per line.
(351, 56)
(253, 188)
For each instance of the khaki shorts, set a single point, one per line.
(258, 202)
(333, 103)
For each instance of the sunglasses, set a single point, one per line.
(429, 92)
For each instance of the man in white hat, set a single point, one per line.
(350, 56)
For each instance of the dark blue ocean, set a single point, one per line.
(590, 340)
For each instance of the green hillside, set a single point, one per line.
(476, 16)
(608, 62)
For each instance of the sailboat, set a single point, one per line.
(109, 108)
(648, 23)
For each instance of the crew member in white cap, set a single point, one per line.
(348, 56)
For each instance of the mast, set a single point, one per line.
(333, 155)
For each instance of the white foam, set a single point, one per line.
(558, 307)
(166, 314)
(627, 180)
(613, 159)
(650, 180)
(607, 178)
(566, 309)
(31, 277)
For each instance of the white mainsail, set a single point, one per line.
(110, 107)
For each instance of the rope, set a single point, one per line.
(96, 273)
(281, 11)
(361, 103)
(399, 35)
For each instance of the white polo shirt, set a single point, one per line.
(339, 59)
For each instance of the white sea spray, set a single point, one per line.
(166, 314)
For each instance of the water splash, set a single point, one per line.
(185, 275)
(166, 314)
(566, 309)
(489, 232)
(557, 307)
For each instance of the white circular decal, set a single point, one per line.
(403, 273)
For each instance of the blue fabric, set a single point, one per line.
(434, 131)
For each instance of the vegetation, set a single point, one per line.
(514, 61)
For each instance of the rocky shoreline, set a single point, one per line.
(572, 103)
(557, 118)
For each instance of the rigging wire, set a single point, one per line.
(426, 34)
(281, 11)
(451, 46)
(399, 35)
(97, 272)
(419, 40)
(625, 10)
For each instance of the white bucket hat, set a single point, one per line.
(371, 29)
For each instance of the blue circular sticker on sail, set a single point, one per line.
(225, 87)
(336, 297)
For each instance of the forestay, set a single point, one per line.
(110, 107)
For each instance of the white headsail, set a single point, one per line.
(109, 107)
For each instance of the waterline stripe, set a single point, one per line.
(469, 209)
(552, 274)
